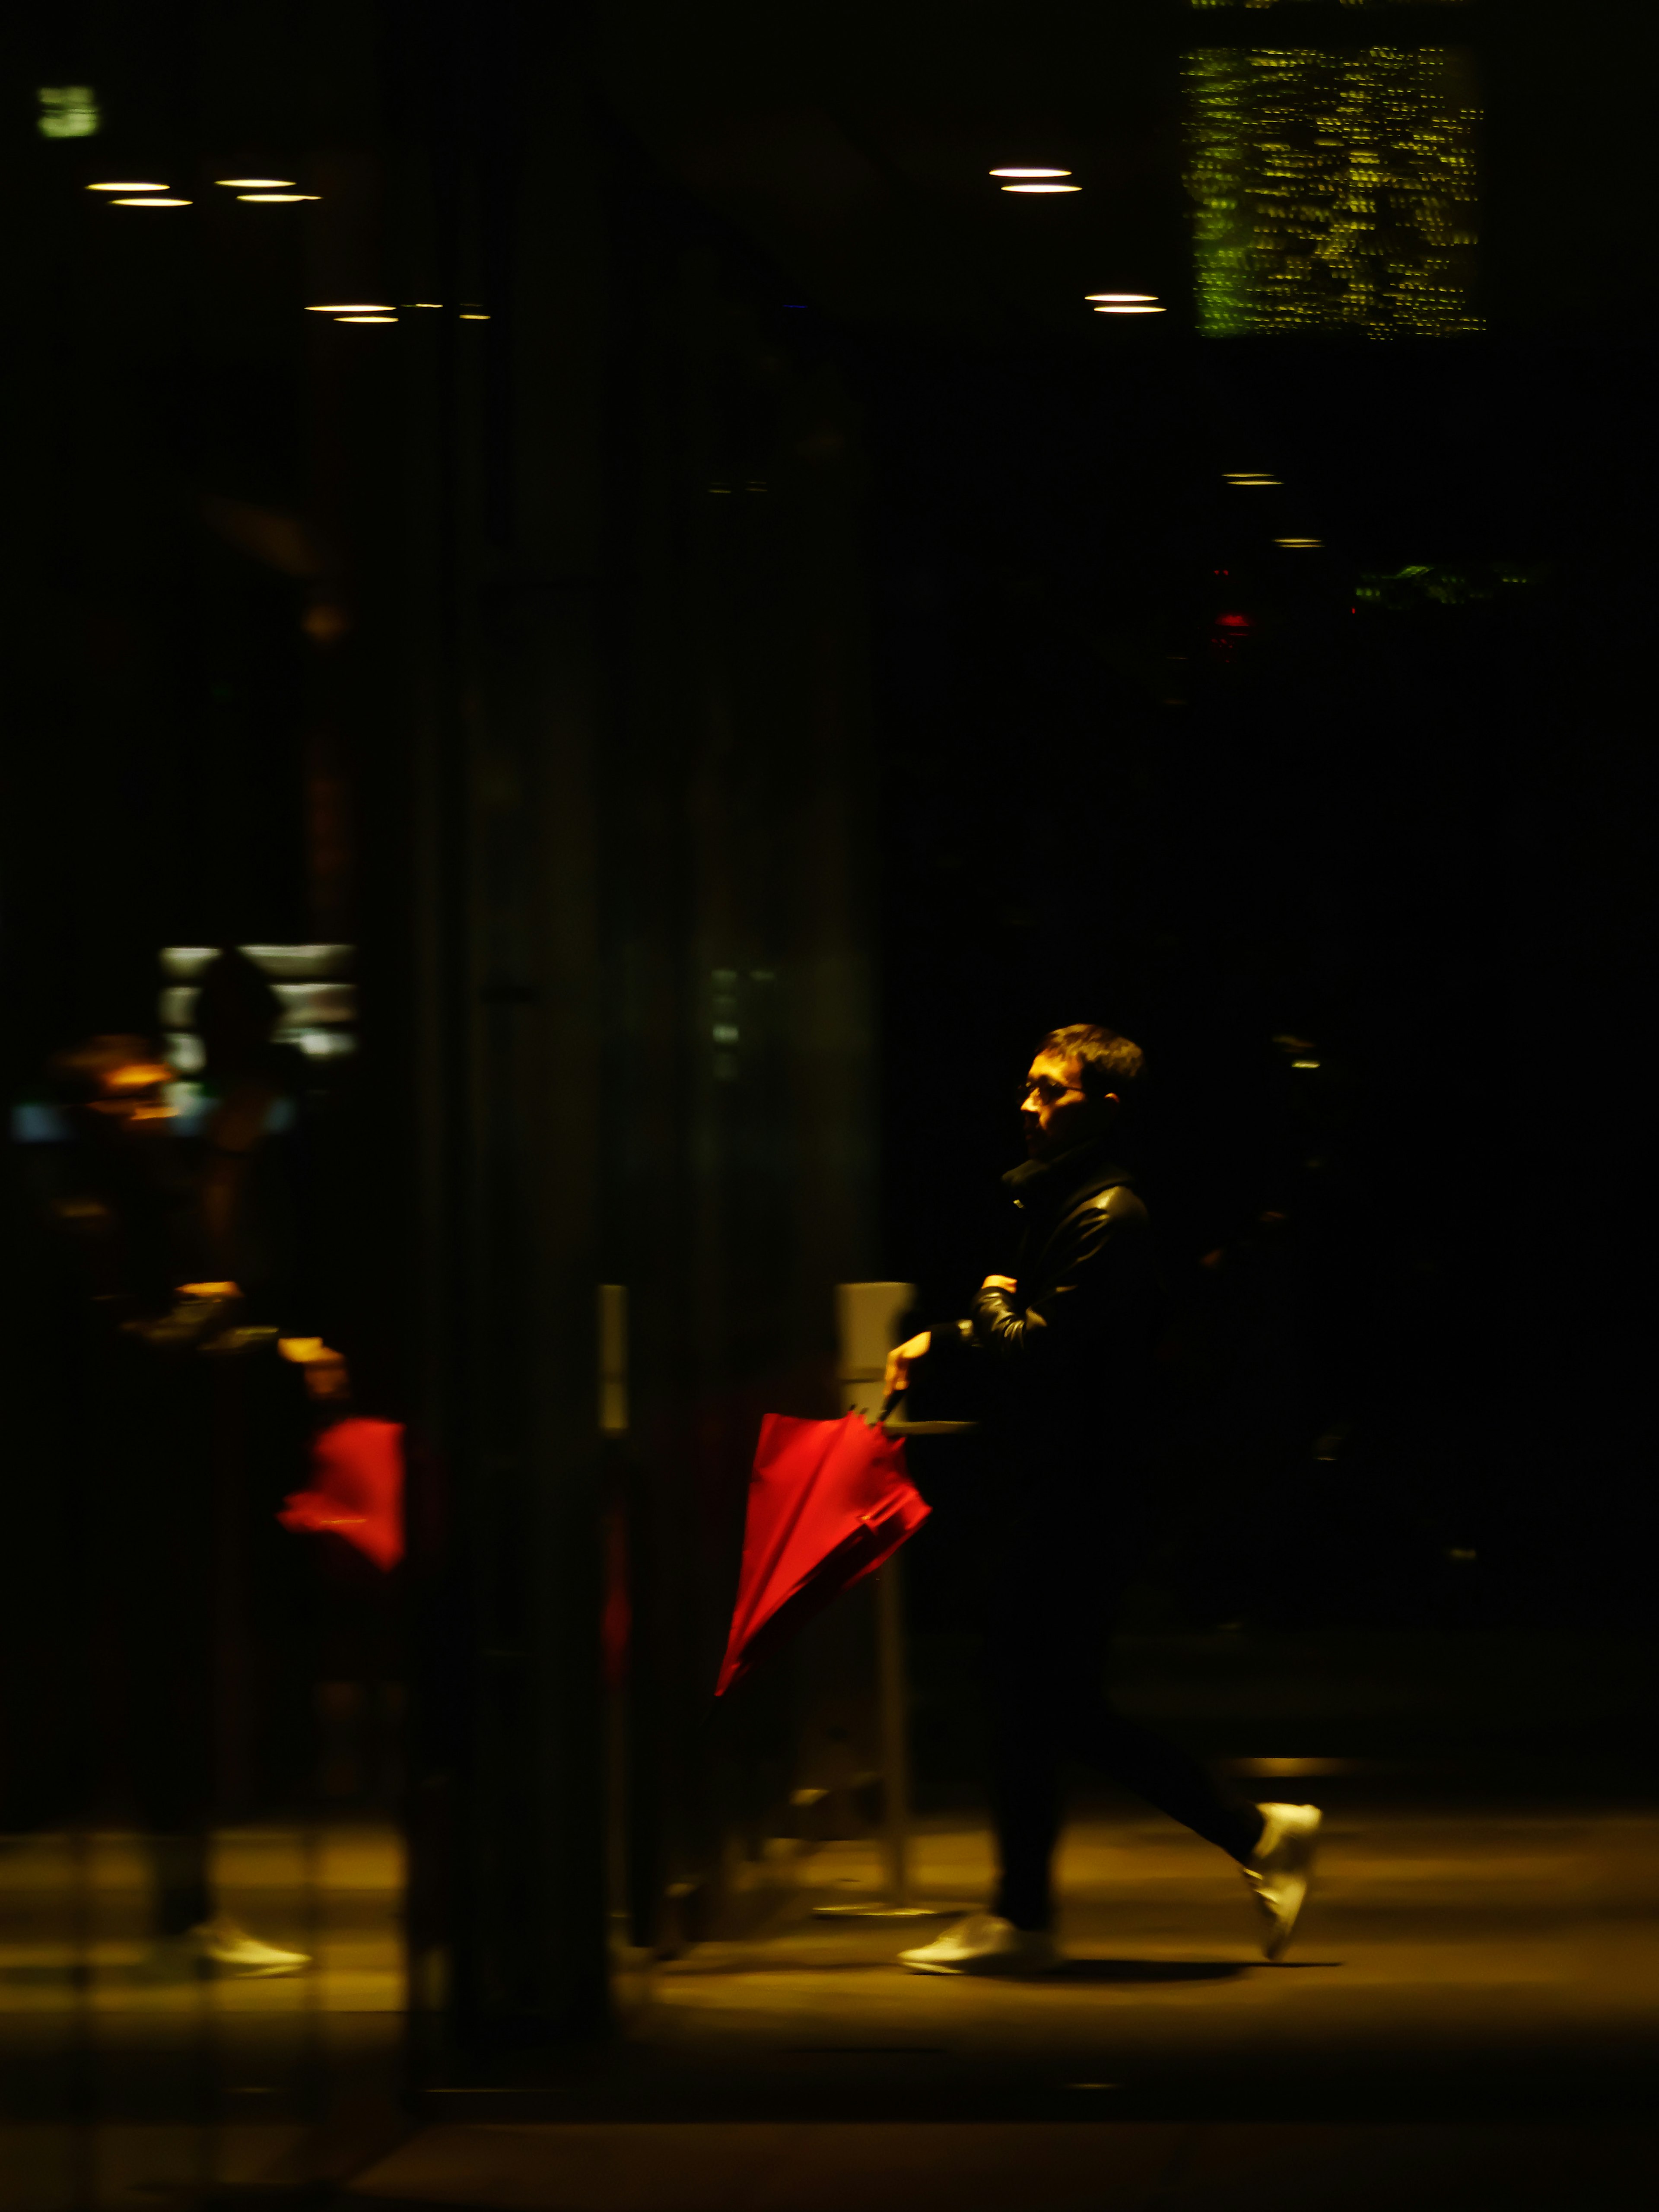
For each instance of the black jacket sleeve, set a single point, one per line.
(1095, 1297)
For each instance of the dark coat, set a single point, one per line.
(1062, 1368)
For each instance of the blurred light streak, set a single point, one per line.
(138, 1075)
(354, 307)
(365, 319)
(1291, 1767)
(1030, 173)
(186, 962)
(1043, 188)
(127, 188)
(278, 199)
(257, 184)
(294, 964)
(150, 202)
(1127, 310)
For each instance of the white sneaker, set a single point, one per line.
(1279, 1870)
(985, 1944)
(220, 1945)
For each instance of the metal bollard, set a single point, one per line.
(867, 1316)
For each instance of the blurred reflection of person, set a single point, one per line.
(95, 1199)
(261, 1223)
(254, 1214)
(153, 1447)
(1061, 1351)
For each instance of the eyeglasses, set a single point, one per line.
(1047, 1090)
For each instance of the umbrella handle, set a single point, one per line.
(887, 1405)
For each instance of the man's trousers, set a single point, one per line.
(1052, 1604)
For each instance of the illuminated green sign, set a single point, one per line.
(1335, 190)
(68, 111)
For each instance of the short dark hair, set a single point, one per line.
(1106, 1061)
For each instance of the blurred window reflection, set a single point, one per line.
(318, 1005)
(68, 111)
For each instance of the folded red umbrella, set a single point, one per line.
(357, 1468)
(829, 1501)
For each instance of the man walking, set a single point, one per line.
(1063, 1348)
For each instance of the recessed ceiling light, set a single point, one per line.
(1121, 299)
(126, 188)
(255, 184)
(1043, 188)
(278, 199)
(150, 200)
(365, 319)
(353, 307)
(1030, 173)
(1126, 309)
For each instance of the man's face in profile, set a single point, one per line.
(1056, 1113)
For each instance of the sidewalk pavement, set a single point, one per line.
(1017, 2168)
(1470, 2019)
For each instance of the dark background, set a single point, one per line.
(1404, 825)
(1409, 832)
(791, 580)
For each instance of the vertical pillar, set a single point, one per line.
(867, 1317)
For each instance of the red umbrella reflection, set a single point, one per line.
(829, 1501)
(357, 1468)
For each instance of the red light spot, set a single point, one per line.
(1232, 622)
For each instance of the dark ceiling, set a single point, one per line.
(853, 141)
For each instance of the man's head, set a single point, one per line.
(236, 1010)
(1078, 1084)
